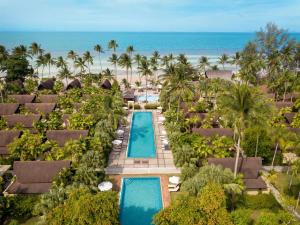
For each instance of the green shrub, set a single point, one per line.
(261, 201)
(136, 106)
(79, 121)
(241, 216)
(151, 106)
(3, 123)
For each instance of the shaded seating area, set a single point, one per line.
(6, 137)
(63, 136)
(46, 85)
(48, 98)
(8, 108)
(44, 108)
(249, 167)
(208, 132)
(106, 84)
(223, 74)
(74, 84)
(22, 99)
(34, 177)
(128, 95)
(26, 121)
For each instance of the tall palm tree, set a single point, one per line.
(112, 44)
(130, 50)
(41, 61)
(114, 61)
(49, 61)
(223, 59)
(64, 73)
(165, 61)
(203, 63)
(236, 59)
(80, 63)
(87, 57)
(99, 49)
(182, 59)
(145, 71)
(137, 59)
(35, 50)
(73, 56)
(242, 106)
(21, 50)
(61, 63)
(126, 62)
(171, 58)
(154, 65)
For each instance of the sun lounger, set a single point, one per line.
(175, 189)
(172, 185)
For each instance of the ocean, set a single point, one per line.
(193, 45)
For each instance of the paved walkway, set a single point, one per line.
(161, 164)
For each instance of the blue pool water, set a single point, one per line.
(150, 98)
(140, 200)
(141, 140)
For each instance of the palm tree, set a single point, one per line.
(112, 44)
(243, 106)
(182, 59)
(236, 59)
(99, 49)
(165, 61)
(107, 74)
(114, 61)
(126, 62)
(137, 59)
(64, 73)
(145, 71)
(223, 59)
(49, 61)
(203, 63)
(40, 61)
(73, 56)
(21, 50)
(35, 50)
(171, 58)
(80, 63)
(87, 57)
(130, 50)
(61, 63)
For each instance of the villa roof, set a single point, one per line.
(129, 94)
(223, 74)
(289, 117)
(74, 84)
(106, 84)
(35, 177)
(63, 136)
(48, 98)
(208, 132)
(249, 167)
(7, 136)
(47, 84)
(25, 120)
(45, 108)
(280, 105)
(22, 99)
(8, 108)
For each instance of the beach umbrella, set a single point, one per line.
(174, 180)
(165, 142)
(163, 132)
(161, 118)
(159, 108)
(117, 142)
(105, 186)
(120, 132)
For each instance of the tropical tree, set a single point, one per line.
(87, 57)
(99, 50)
(112, 44)
(49, 61)
(145, 71)
(41, 61)
(126, 62)
(80, 63)
(236, 59)
(61, 63)
(130, 50)
(295, 171)
(137, 59)
(73, 56)
(114, 61)
(64, 73)
(203, 64)
(35, 50)
(223, 59)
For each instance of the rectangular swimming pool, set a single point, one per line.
(140, 200)
(141, 140)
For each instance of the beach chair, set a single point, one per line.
(175, 189)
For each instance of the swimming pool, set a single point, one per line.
(150, 98)
(141, 139)
(140, 200)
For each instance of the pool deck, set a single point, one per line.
(161, 164)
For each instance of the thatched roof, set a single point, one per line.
(6, 137)
(35, 177)
(25, 120)
(74, 84)
(22, 99)
(8, 108)
(45, 108)
(289, 117)
(223, 74)
(280, 105)
(106, 84)
(63, 136)
(249, 167)
(128, 95)
(48, 98)
(46, 85)
(208, 132)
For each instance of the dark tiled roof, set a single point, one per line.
(48, 98)
(26, 120)
(22, 99)
(45, 108)
(6, 137)
(208, 132)
(106, 84)
(8, 108)
(62, 136)
(74, 84)
(129, 94)
(46, 85)
(224, 74)
(34, 177)
(289, 117)
(280, 105)
(255, 184)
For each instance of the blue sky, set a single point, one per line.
(148, 15)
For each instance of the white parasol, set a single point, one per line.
(161, 118)
(174, 180)
(163, 132)
(117, 142)
(105, 186)
(120, 132)
(165, 142)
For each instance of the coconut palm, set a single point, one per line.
(145, 71)
(21, 50)
(88, 58)
(165, 61)
(114, 61)
(181, 58)
(49, 61)
(137, 59)
(80, 63)
(73, 56)
(171, 58)
(223, 59)
(112, 44)
(107, 74)
(243, 106)
(203, 63)
(126, 62)
(99, 49)
(41, 61)
(236, 59)
(130, 50)
(35, 50)
(64, 73)
(154, 65)
(61, 63)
